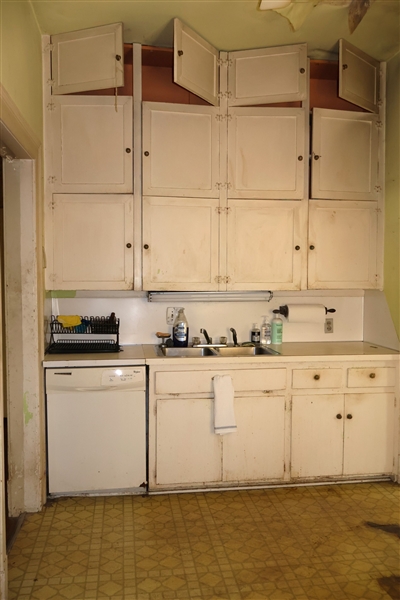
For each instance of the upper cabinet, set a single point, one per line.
(359, 77)
(256, 77)
(90, 59)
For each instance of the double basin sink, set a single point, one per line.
(222, 351)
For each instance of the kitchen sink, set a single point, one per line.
(224, 351)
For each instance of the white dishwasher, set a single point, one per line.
(96, 430)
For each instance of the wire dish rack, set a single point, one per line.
(76, 340)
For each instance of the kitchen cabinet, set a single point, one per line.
(92, 245)
(185, 452)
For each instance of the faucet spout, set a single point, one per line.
(204, 332)
(234, 335)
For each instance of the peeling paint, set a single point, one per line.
(27, 415)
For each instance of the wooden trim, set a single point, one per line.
(12, 118)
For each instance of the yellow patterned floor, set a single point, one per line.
(328, 542)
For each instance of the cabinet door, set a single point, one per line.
(91, 144)
(268, 75)
(255, 452)
(93, 246)
(369, 427)
(317, 435)
(265, 242)
(344, 155)
(180, 244)
(90, 59)
(266, 153)
(359, 77)
(187, 449)
(181, 150)
(195, 63)
(342, 245)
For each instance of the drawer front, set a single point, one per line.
(316, 378)
(371, 377)
(200, 382)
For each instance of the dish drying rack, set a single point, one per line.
(69, 343)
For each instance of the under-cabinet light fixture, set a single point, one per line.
(257, 296)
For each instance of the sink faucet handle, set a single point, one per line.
(163, 337)
(234, 335)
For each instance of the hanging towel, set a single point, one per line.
(224, 414)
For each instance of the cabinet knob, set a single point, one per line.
(180, 52)
(118, 57)
(129, 245)
(372, 375)
(146, 246)
(339, 416)
(316, 377)
(344, 67)
(316, 157)
(147, 153)
(349, 416)
(128, 150)
(297, 247)
(302, 70)
(300, 158)
(312, 247)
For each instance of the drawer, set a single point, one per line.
(317, 378)
(200, 382)
(371, 377)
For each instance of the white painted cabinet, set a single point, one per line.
(266, 153)
(342, 245)
(92, 242)
(359, 77)
(91, 144)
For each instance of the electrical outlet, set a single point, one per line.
(329, 325)
(170, 317)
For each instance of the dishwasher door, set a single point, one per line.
(96, 430)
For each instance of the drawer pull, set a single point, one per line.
(349, 416)
(316, 377)
(372, 375)
(339, 416)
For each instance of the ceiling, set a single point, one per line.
(231, 24)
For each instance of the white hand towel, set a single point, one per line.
(224, 414)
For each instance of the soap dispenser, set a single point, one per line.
(180, 330)
(276, 328)
(265, 332)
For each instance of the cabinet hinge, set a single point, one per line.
(51, 106)
(227, 62)
(52, 277)
(378, 188)
(218, 279)
(48, 47)
(51, 179)
(219, 117)
(155, 410)
(379, 124)
(51, 82)
(227, 279)
(219, 185)
(226, 94)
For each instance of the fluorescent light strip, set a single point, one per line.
(210, 296)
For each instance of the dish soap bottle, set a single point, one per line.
(277, 328)
(265, 332)
(180, 330)
(255, 334)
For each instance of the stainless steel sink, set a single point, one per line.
(225, 351)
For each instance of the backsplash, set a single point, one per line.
(141, 319)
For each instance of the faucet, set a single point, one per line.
(204, 332)
(234, 335)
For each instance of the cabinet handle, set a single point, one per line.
(180, 52)
(297, 247)
(146, 246)
(300, 158)
(118, 57)
(316, 377)
(302, 70)
(316, 157)
(372, 375)
(344, 67)
(339, 416)
(349, 416)
(312, 247)
(128, 150)
(147, 153)
(129, 245)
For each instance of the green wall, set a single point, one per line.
(392, 205)
(21, 60)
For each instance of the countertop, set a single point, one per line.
(297, 351)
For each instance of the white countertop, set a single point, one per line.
(147, 354)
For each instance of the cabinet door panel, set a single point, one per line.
(262, 237)
(195, 63)
(345, 155)
(188, 450)
(268, 75)
(266, 153)
(181, 150)
(317, 435)
(182, 239)
(369, 434)
(359, 77)
(87, 59)
(255, 452)
(344, 237)
(89, 141)
(91, 233)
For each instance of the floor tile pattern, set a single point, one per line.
(325, 542)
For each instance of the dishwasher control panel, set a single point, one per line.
(65, 380)
(122, 376)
